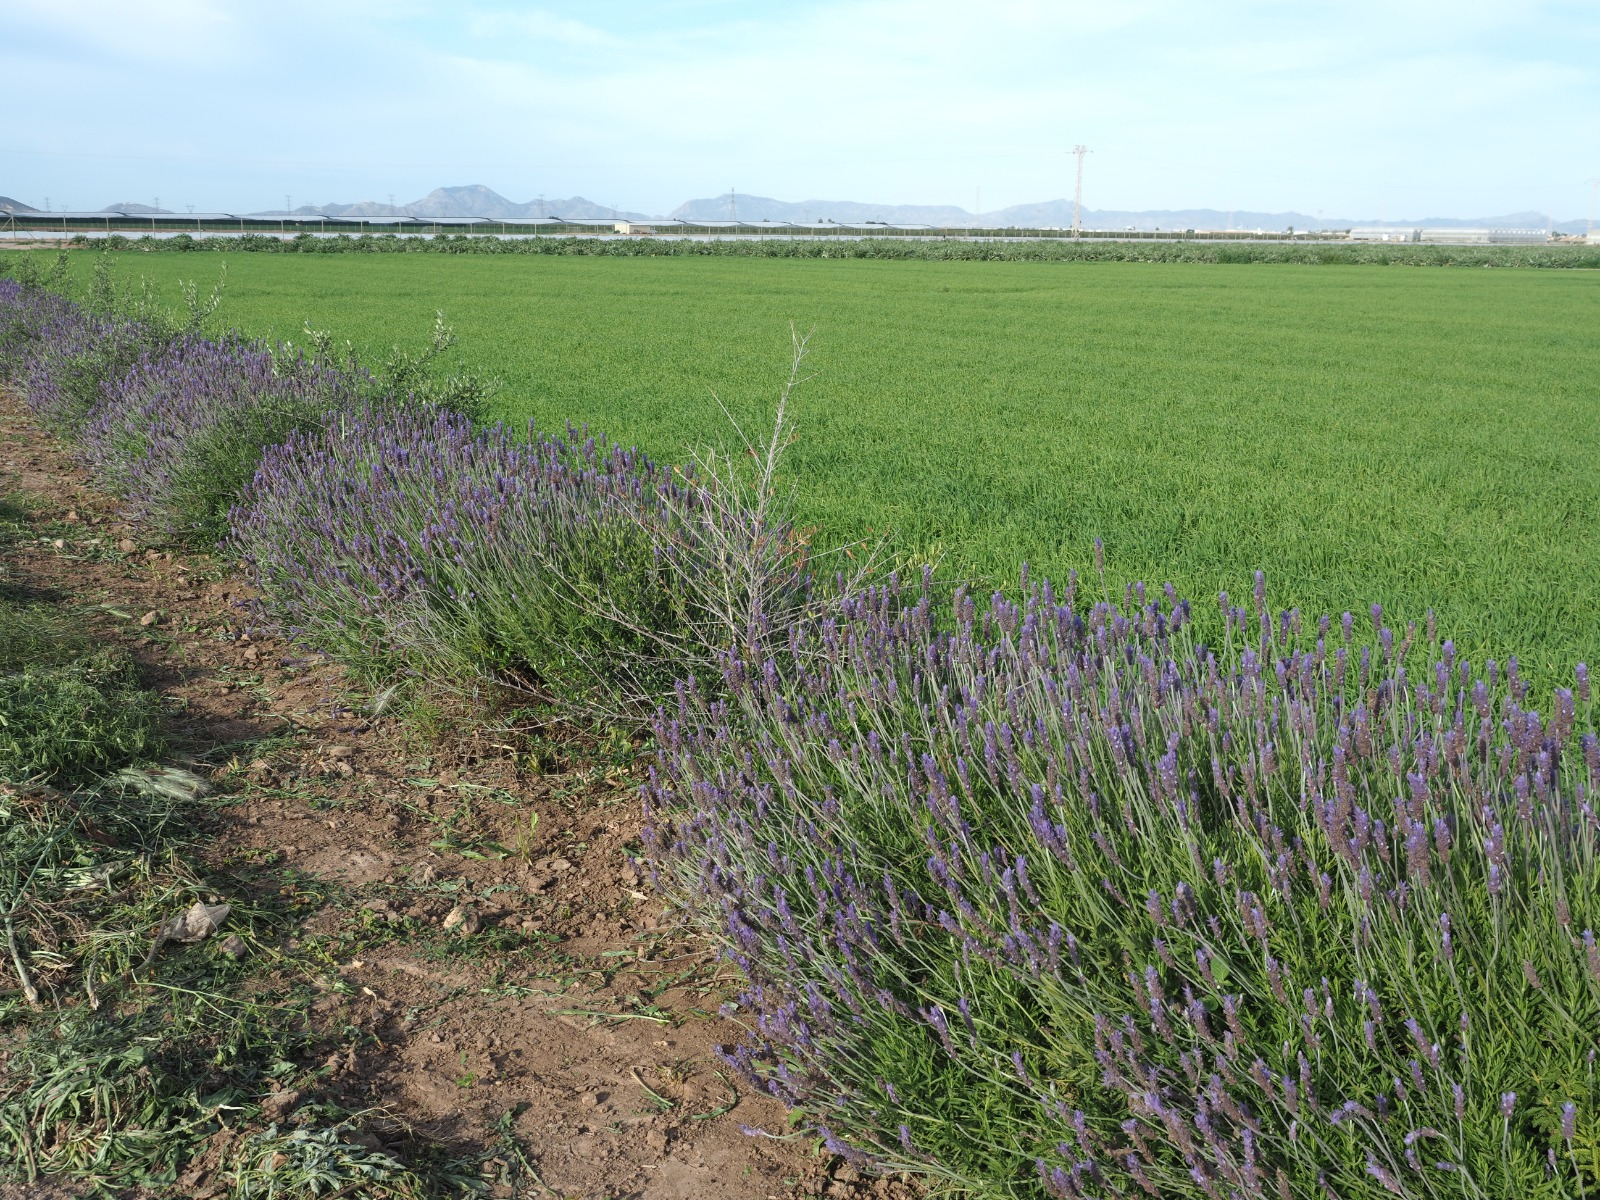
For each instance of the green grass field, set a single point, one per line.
(1417, 437)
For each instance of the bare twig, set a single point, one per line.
(28, 990)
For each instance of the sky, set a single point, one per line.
(1393, 109)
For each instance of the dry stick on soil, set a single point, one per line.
(740, 561)
(28, 990)
(751, 536)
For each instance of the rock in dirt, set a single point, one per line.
(233, 946)
(201, 921)
(279, 1105)
(149, 619)
(463, 918)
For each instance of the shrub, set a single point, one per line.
(403, 539)
(1058, 902)
(64, 357)
(181, 433)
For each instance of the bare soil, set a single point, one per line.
(484, 936)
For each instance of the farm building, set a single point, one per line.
(1385, 233)
(1451, 237)
(1486, 237)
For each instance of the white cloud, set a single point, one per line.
(1268, 104)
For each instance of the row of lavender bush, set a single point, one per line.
(1047, 898)
(172, 421)
(379, 523)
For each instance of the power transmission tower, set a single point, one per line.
(1077, 193)
(1594, 190)
(733, 204)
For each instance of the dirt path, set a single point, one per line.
(483, 938)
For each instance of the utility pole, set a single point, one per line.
(1077, 194)
(1594, 190)
(287, 207)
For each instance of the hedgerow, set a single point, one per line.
(943, 249)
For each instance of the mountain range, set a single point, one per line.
(473, 200)
(476, 200)
(1058, 214)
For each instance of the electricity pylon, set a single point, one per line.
(1077, 193)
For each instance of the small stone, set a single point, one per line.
(72, 516)
(339, 752)
(259, 767)
(234, 946)
(279, 1104)
(560, 864)
(60, 543)
(463, 918)
(149, 619)
(589, 1099)
(127, 545)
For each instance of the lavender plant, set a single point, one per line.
(402, 539)
(64, 356)
(57, 354)
(1057, 901)
(181, 434)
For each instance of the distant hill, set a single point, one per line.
(1058, 214)
(477, 200)
(471, 200)
(128, 206)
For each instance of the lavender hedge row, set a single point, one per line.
(1049, 899)
(173, 422)
(183, 432)
(387, 529)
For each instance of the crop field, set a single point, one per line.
(1419, 438)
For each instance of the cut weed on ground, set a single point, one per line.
(339, 1033)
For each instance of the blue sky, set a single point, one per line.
(1405, 108)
